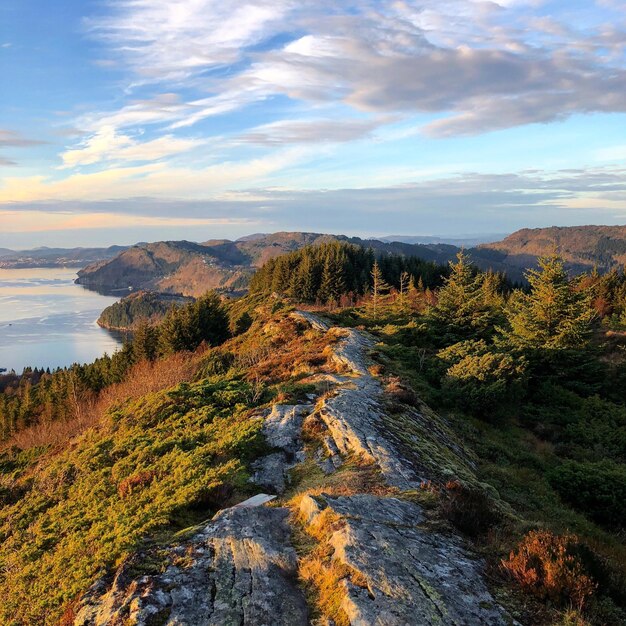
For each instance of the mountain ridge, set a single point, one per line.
(191, 268)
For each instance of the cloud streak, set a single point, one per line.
(484, 65)
(473, 202)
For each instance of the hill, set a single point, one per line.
(581, 247)
(56, 257)
(188, 268)
(191, 268)
(430, 456)
(138, 307)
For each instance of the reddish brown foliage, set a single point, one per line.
(138, 480)
(143, 378)
(546, 565)
(69, 614)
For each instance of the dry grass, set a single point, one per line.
(323, 576)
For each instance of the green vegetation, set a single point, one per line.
(143, 306)
(529, 383)
(155, 465)
(38, 397)
(527, 380)
(339, 273)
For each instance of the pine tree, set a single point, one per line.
(554, 315)
(145, 342)
(332, 284)
(463, 309)
(379, 288)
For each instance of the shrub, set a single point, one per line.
(481, 380)
(547, 566)
(468, 509)
(217, 362)
(596, 489)
(400, 392)
(136, 481)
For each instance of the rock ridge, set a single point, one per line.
(241, 568)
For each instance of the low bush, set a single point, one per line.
(481, 380)
(468, 509)
(548, 567)
(596, 489)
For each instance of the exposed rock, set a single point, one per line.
(240, 570)
(282, 428)
(354, 414)
(408, 448)
(414, 576)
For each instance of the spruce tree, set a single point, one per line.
(553, 315)
(145, 342)
(379, 288)
(463, 309)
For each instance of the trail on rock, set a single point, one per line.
(241, 567)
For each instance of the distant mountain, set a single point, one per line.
(56, 257)
(5, 252)
(191, 268)
(582, 247)
(466, 241)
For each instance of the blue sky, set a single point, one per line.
(127, 120)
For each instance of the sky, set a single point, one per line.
(139, 120)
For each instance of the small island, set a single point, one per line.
(150, 306)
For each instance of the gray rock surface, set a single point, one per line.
(240, 570)
(408, 449)
(353, 414)
(282, 429)
(414, 576)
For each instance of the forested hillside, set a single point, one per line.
(581, 247)
(138, 307)
(187, 268)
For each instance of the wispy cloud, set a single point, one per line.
(109, 146)
(485, 65)
(468, 201)
(12, 139)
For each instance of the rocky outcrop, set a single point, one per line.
(409, 447)
(408, 574)
(239, 569)
(282, 428)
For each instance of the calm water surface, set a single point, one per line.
(48, 321)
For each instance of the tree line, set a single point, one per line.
(39, 396)
(341, 273)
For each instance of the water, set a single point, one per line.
(48, 321)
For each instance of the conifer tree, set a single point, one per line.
(463, 308)
(402, 299)
(145, 342)
(553, 315)
(379, 288)
(332, 284)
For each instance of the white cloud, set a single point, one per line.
(170, 40)
(153, 179)
(108, 145)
